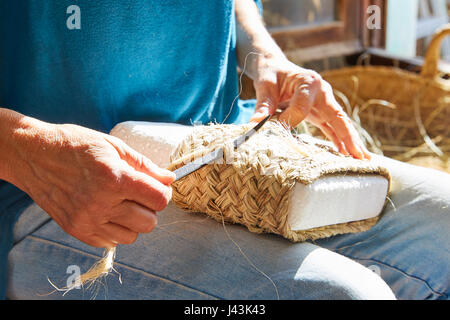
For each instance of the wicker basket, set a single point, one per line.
(404, 115)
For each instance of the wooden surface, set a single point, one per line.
(291, 14)
(432, 15)
(345, 28)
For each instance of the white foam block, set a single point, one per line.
(336, 199)
(154, 140)
(327, 201)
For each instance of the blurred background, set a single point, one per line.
(336, 28)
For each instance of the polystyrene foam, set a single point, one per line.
(156, 141)
(336, 199)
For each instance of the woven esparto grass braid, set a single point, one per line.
(253, 185)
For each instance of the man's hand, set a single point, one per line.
(303, 95)
(93, 185)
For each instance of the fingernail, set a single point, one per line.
(263, 111)
(260, 114)
(165, 172)
(361, 154)
(343, 150)
(357, 154)
(169, 173)
(255, 118)
(366, 153)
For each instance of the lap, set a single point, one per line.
(190, 256)
(410, 246)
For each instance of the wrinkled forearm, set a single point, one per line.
(19, 137)
(9, 123)
(252, 36)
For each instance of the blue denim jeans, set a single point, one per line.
(190, 256)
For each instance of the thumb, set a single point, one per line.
(267, 100)
(141, 163)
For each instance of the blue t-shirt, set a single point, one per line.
(164, 60)
(103, 62)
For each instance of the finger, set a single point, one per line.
(85, 236)
(347, 134)
(96, 241)
(267, 99)
(145, 165)
(117, 234)
(141, 163)
(367, 154)
(135, 217)
(331, 135)
(334, 115)
(145, 190)
(260, 114)
(299, 106)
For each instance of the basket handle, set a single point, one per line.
(430, 68)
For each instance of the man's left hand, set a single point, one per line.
(302, 94)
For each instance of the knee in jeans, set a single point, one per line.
(332, 276)
(365, 286)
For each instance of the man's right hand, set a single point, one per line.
(93, 185)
